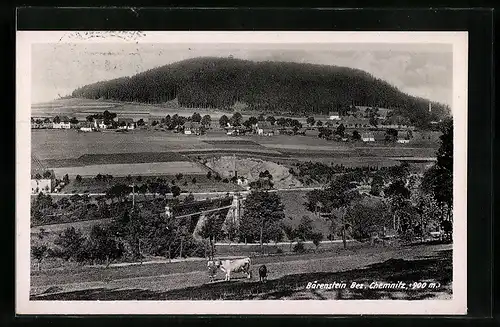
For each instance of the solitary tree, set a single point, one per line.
(271, 119)
(212, 230)
(206, 120)
(337, 196)
(317, 238)
(196, 117)
(290, 234)
(262, 209)
(398, 196)
(305, 228)
(70, 241)
(236, 119)
(340, 130)
(223, 121)
(39, 252)
(310, 120)
(176, 191)
(103, 245)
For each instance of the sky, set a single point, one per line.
(424, 70)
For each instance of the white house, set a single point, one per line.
(334, 115)
(100, 124)
(41, 185)
(86, 127)
(242, 181)
(192, 128)
(403, 141)
(265, 128)
(367, 137)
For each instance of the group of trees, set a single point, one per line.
(134, 233)
(265, 86)
(409, 203)
(323, 173)
(46, 174)
(236, 120)
(438, 180)
(106, 116)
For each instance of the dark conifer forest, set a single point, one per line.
(274, 87)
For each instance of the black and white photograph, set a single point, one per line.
(211, 172)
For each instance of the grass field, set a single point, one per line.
(135, 169)
(288, 277)
(117, 158)
(65, 144)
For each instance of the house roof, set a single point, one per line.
(367, 135)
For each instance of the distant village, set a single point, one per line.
(362, 123)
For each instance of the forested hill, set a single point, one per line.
(283, 87)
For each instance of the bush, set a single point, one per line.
(299, 247)
(70, 242)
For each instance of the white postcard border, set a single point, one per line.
(458, 304)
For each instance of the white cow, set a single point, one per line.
(231, 266)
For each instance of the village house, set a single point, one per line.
(242, 181)
(86, 127)
(37, 123)
(100, 124)
(382, 113)
(41, 185)
(62, 122)
(367, 137)
(264, 128)
(353, 122)
(40, 181)
(192, 128)
(403, 141)
(126, 123)
(334, 115)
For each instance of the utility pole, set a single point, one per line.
(234, 166)
(133, 195)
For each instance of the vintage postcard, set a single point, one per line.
(241, 172)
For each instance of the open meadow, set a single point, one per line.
(288, 277)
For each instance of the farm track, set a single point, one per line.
(176, 276)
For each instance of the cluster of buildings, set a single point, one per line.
(360, 119)
(64, 122)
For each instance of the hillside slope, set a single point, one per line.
(284, 87)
